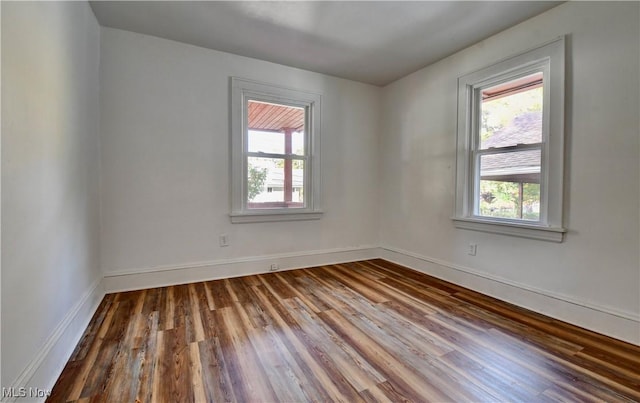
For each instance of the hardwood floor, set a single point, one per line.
(362, 331)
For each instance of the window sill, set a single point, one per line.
(274, 216)
(551, 234)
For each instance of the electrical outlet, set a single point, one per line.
(273, 267)
(224, 240)
(473, 248)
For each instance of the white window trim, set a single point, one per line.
(549, 57)
(243, 90)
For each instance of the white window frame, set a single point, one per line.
(243, 91)
(550, 59)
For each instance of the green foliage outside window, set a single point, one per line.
(502, 199)
(255, 183)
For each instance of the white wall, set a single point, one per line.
(598, 265)
(165, 159)
(50, 205)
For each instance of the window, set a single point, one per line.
(511, 146)
(275, 140)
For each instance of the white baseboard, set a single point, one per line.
(605, 320)
(43, 371)
(204, 271)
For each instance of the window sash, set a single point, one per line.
(308, 135)
(257, 206)
(475, 186)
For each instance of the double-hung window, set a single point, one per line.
(510, 146)
(275, 141)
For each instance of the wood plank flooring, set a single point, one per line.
(363, 331)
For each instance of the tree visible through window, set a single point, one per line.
(256, 181)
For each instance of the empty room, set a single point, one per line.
(293, 201)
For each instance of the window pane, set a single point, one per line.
(510, 185)
(275, 183)
(297, 143)
(275, 128)
(511, 113)
(531, 201)
(515, 200)
(275, 143)
(266, 142)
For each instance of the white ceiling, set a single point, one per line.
(373, 42)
